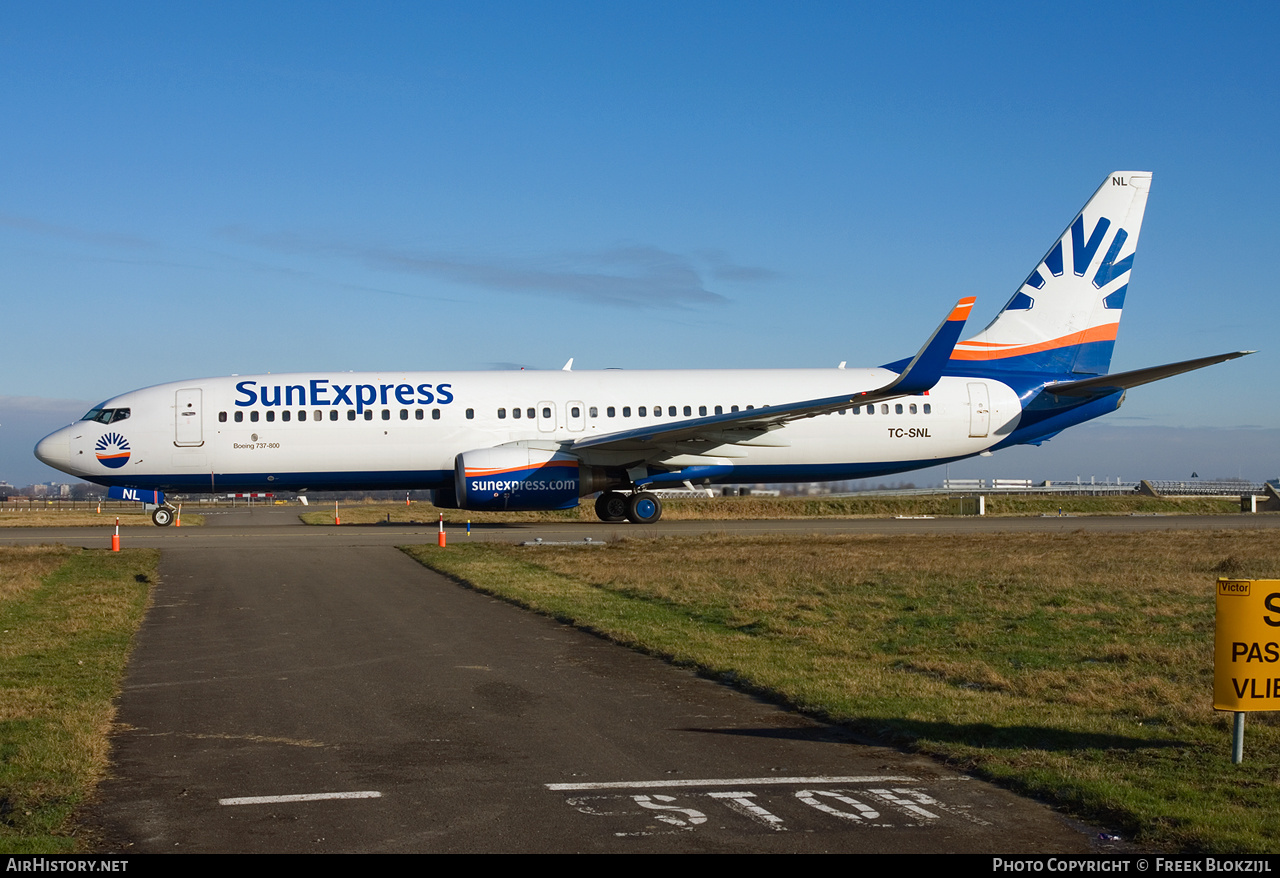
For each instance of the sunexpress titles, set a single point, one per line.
(322, 391)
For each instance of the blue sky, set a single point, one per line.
(201, 189)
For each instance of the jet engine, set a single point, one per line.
(521, 477)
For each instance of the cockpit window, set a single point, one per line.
(106, 416)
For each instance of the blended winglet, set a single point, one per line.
(925, 369)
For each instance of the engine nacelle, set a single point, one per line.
(519, 477)
(444, 498)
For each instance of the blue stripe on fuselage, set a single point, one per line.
(371, 480)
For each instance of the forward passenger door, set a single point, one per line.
(188, 427)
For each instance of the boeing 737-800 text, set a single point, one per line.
(543, 439)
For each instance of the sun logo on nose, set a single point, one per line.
(112, 450)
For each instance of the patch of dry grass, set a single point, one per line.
(86, 518)
(23, 567)
(770, 508)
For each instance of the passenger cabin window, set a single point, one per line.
(626, 411)
(611, 412)
(502, 414)
(719, 410)
(516, 413)
(368, 414)
(386, 414)
(271, 416)
(897, 408)
(593, 412)
(927, 408)
(531, 415)
(471, 413)
(702, 411)
(253, 416)
(284, 415)
(912, 409)
(435, 414)
(333, 415)
(404, 414)
(642, 411)
(546, 412)
(222, 417)
(351, 414)
(239, 417)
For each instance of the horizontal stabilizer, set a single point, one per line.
(1124, 380)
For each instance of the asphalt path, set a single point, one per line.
(303, 689)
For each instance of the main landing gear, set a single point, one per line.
(639, 508)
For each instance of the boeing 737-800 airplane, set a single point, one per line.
(542, 440)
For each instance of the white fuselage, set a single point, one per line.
(405, 429)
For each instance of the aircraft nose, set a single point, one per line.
(55, 450)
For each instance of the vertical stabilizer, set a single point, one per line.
(1064, 317)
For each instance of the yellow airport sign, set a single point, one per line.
(1246, 645)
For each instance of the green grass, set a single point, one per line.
(67, 621)
(1076, 668)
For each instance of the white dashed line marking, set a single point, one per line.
(300, 797)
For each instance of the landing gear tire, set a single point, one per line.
(162, 517)
(611, 506)
(643, 508)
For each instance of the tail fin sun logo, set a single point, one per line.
(112, 450)
(1082, 253)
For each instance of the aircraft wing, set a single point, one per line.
(1103, 384)
(750, 427)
